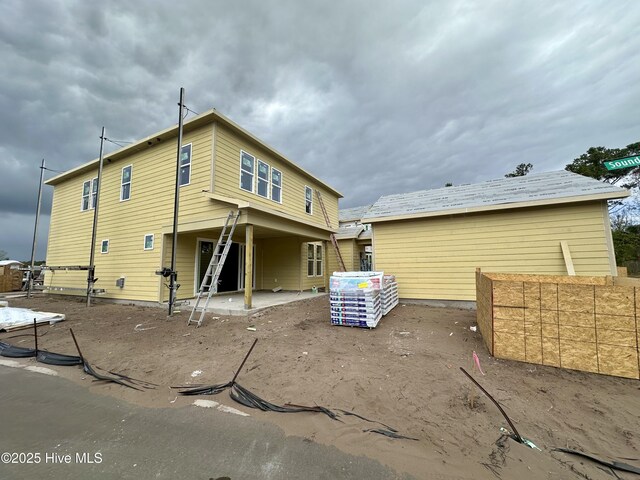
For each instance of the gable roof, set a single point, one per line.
(531, 190)
(352, 214)
(200, 120)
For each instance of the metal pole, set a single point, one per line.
(35, 233)
(176, 201)
(90, 275)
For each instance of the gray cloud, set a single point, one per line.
(373, 97)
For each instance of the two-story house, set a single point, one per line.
(223, 167)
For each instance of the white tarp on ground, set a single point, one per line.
(12, 318)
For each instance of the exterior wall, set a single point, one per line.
(228, 145)
(436, 258)
(148, 211)
(349, 252)
(281, 263)
(580, 323)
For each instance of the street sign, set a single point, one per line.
(626, 162)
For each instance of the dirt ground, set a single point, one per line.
(405, 373)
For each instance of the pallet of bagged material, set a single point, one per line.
(353, 308)
(388, 308)
(355, 323)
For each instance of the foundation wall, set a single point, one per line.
(581, 323)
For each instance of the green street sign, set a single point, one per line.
(626, 162)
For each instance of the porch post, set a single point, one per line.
(325, 269)
(248, 266)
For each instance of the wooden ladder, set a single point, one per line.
(334, 242)
(209, 284)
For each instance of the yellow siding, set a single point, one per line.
(349, 253)
(149, 209)
(187, 257)
(281, 263)
(436, 258)
(227, 180)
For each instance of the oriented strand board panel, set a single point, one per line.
(619, 361)
(593, 328)
(508, 294)
(484, 311)
(618, 300)
(510, 346)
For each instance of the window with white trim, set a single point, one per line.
(89, 194)
(185, 165)
(247, 168)
(276, 185)
(148, 241)
(314, 260)
(104, 246)
(263, 179)
(308, 200)
(125, 184)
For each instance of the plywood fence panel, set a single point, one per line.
(10, 279)
(581, 323)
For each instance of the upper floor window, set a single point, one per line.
(89, 194)
(263, 179)
(185, 165)
(247, 166)
(308, 203)
(276, 185)
(125, 188)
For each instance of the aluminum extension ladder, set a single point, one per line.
(334, 242)
(209, 284)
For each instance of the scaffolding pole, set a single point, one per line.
(91, 279)
(173, 275)
(35, 233)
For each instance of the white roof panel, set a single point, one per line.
(543, 188)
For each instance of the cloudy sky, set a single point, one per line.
(373, 97)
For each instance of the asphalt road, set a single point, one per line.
(63, 422)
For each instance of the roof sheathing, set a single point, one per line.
(168, 133)
(354, 213)
(532, 190)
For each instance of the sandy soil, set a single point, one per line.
(405, 373)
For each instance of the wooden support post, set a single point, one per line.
(566, 253)
(325, 266)
(248, 266)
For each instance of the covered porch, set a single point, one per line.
(266, 253)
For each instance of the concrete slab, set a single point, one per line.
(233, 303)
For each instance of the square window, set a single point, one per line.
(247, 165)
(185, 165)
(104, 246)
(148, 241)
(276, 185)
